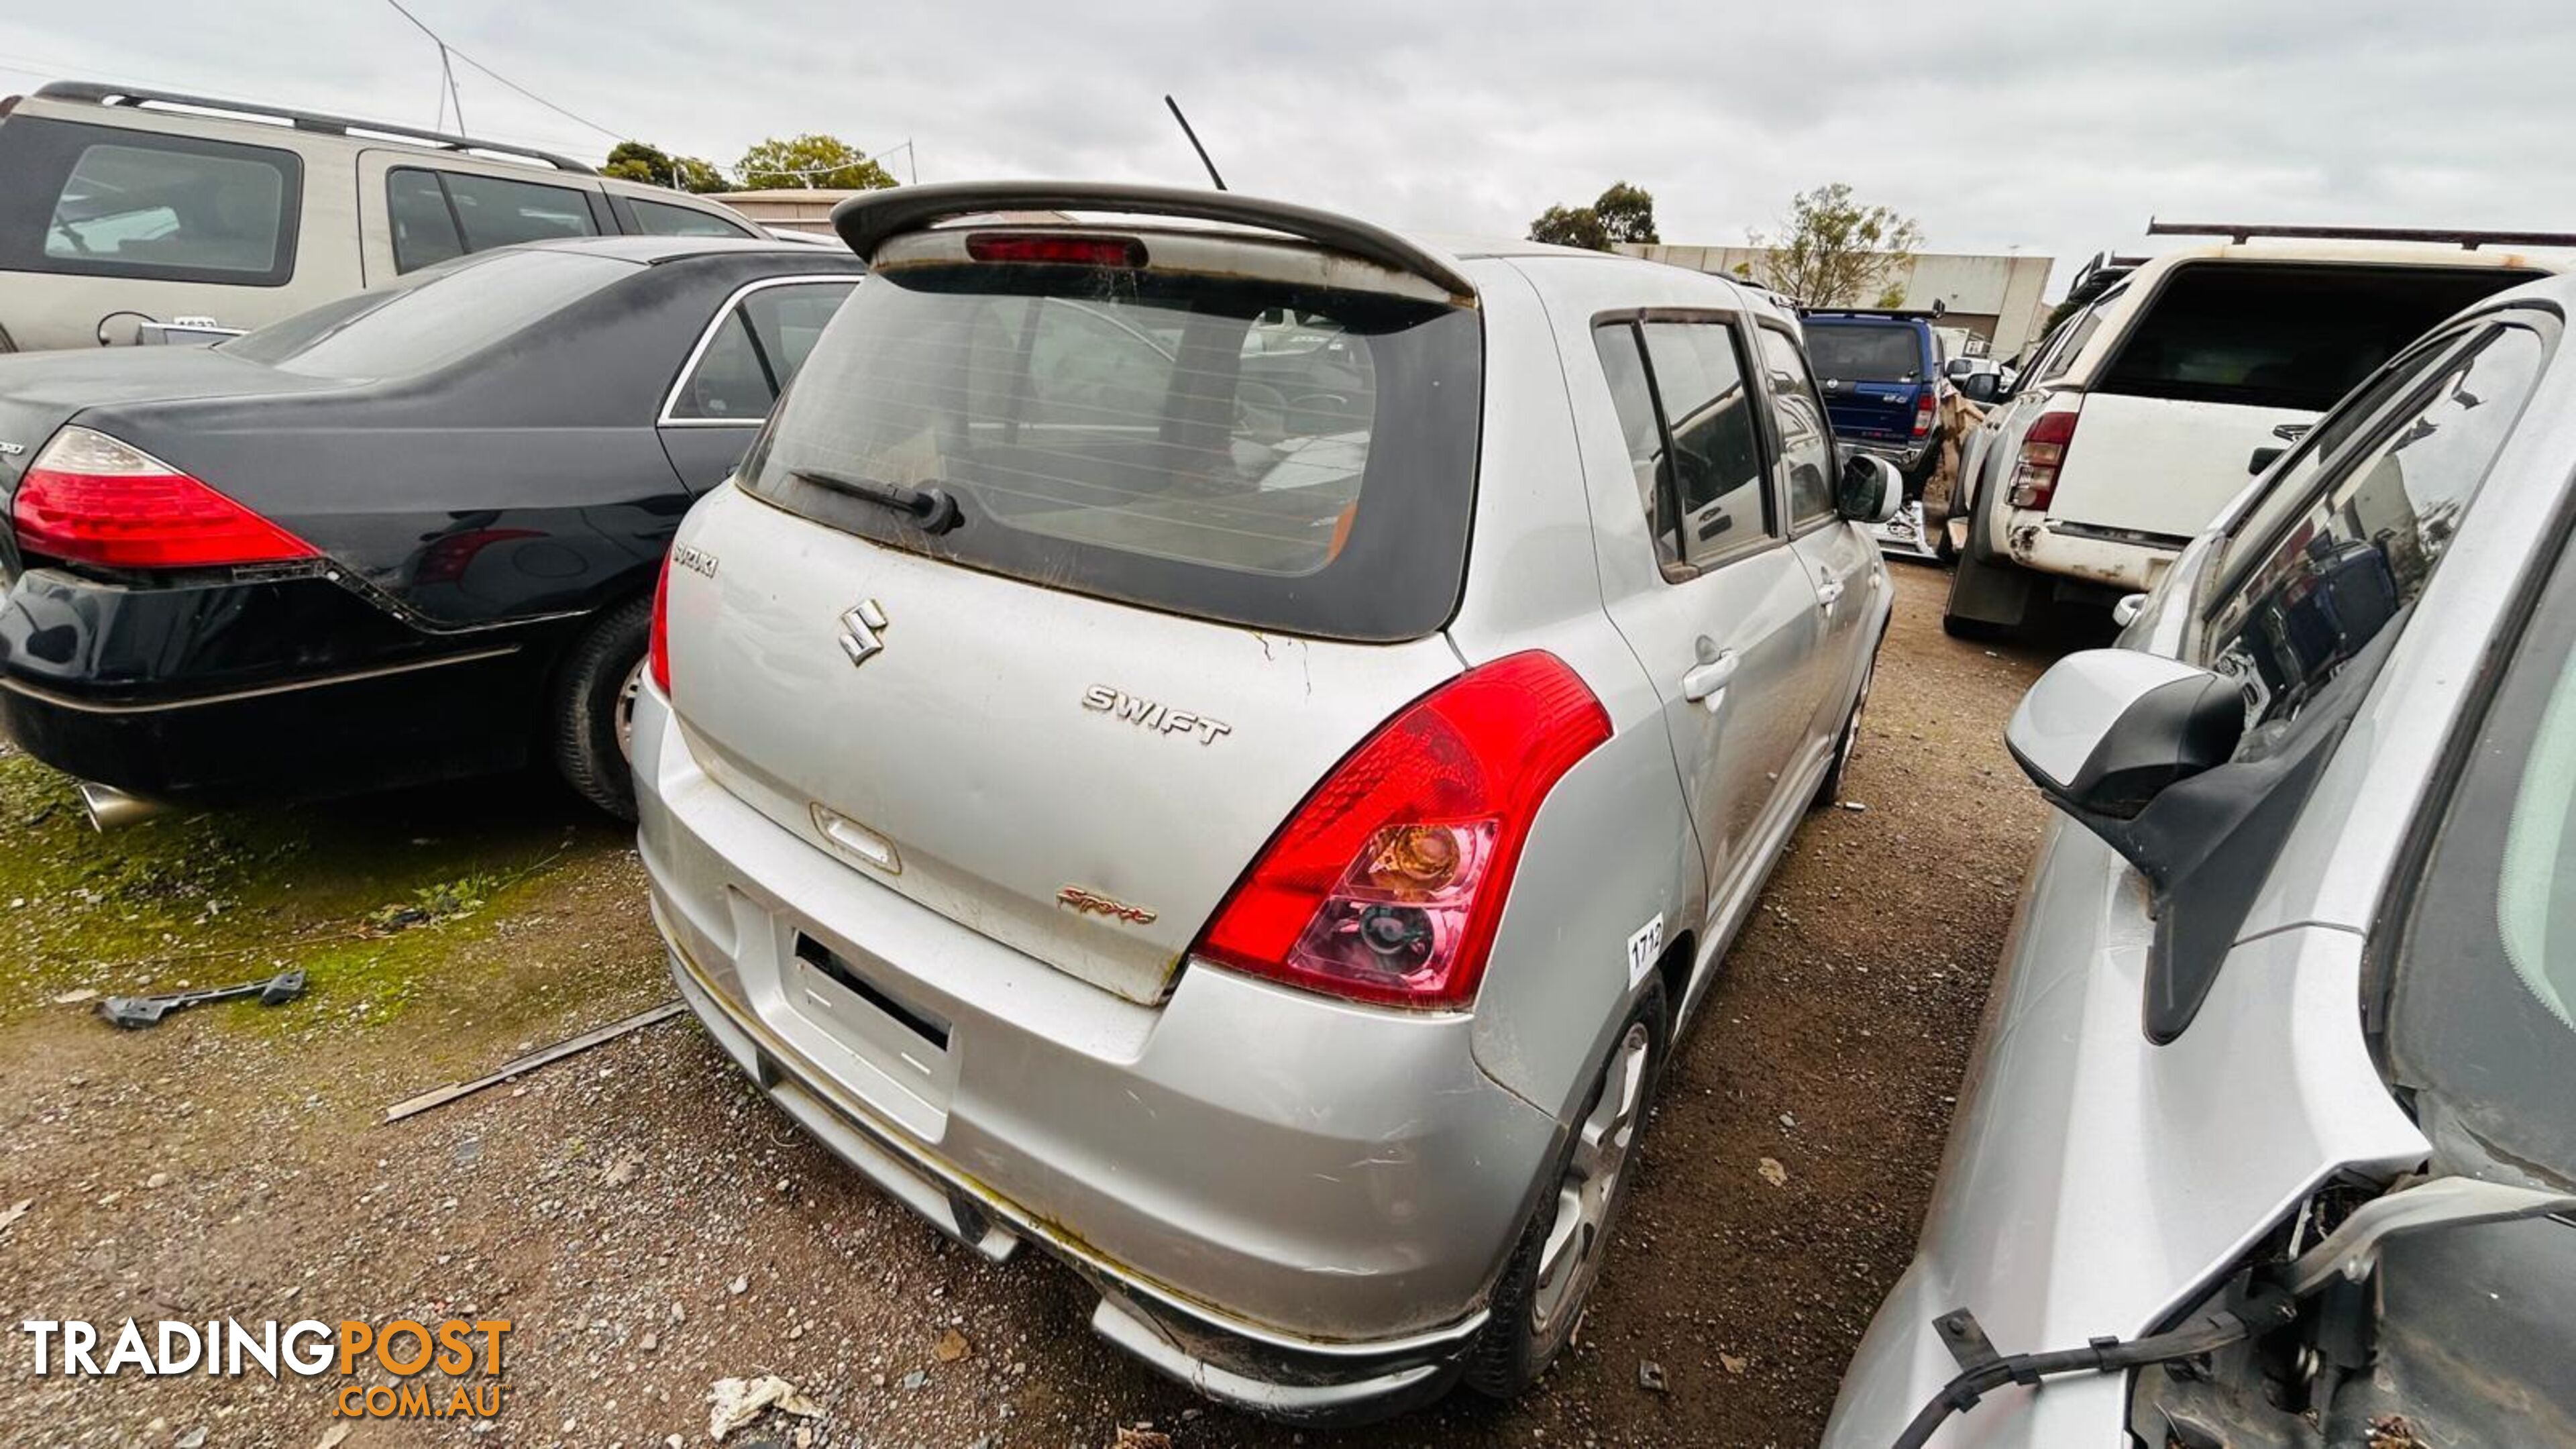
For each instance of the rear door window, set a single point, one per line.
(2336, 572)
(754, 351)
(1688, 418)
(2281, 335)
(661, 218)
(440, 214)
(1804, 437)
(1262, 453)
(101, 200)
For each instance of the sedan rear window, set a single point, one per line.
(431, 318)
(1848, 351)
(2287, 335)
(1282, 457)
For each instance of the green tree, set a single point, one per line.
(638, 161)
(1624, 213)
(1834, 252)
(812, 162)
(701, 177)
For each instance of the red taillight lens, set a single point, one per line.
(658, 652)
(88, 498)
(2043, 452)
(1051, 249)
(1385, 886)
(1923, 413)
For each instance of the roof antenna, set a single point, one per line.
(1194, 142)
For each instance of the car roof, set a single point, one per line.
(655, 250)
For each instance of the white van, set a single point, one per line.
(2142, 414)
(137, 215)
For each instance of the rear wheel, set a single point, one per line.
(1549, 1281)
(594, 707)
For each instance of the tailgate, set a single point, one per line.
(1881, 412)
(2160, 465)
(1079, 779)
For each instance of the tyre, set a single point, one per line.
(1553, 1269)
(1830, 788)
(593, 709)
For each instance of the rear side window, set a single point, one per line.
(753, 352)
(2371, 535)
(440, 214)
(1279, 456)
(104, 201)
(1688, 417)
(423, 323)
(1862, 351)
(1806, 438)
(661, 218)
(2284, 336)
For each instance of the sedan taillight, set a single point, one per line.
(88, 498)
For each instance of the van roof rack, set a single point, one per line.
(107, 95)
(2242, 232)
(872, 218)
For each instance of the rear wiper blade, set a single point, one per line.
(932, 508)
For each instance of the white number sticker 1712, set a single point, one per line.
(1644, 948)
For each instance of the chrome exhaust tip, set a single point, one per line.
(112, 809)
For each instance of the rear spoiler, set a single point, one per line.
(870, 219)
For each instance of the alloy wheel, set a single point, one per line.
(1579, 1237)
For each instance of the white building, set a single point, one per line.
(1996, 298)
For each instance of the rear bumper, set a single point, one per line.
(1292, 1205)
(2129, 563)
(223, 691)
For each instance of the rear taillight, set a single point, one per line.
(1054, 249)
(658, 651)
(2043, 453)
(1923, 406)
(1386, 885)
(88, 498)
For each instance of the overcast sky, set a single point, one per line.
(2044, 126)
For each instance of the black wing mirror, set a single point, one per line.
(1871, 490)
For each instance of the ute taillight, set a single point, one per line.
(1923, 407)
(2043, 453)
(1387, 883)
(88, 498)
(1056, 249)
(658, 652)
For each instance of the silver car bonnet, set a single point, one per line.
(1079, 779)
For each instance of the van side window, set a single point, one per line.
(661, 218)
(481, 212)
(103, 201)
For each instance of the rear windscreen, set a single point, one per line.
(1282, 457)
(432, 317)
(2288, 335)
(1864, 352)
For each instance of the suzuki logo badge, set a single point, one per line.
(859, 637)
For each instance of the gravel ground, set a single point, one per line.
(650, 1226)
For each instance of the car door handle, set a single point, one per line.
(1707, 682)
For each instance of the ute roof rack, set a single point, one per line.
(1933, 313)
(2098, 275)
(136, 96)
(2242, 232)
(872, 218)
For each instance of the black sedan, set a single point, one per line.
(407, 536)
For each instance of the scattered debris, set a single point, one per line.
(1772, 1172)
(622, 1171)
(1734, 1363)
(333, 1437)
(14, 1212)
(191, 1439)
(1650, 1377)
(157, 1180)
(951, 1347)
(136, 1012)
(441, 1096)
(75, 998)
(739, 1401)
(2391, 1431)
(914, 1379)
(1143, 1436)
(738, 1285)
(1854, 806)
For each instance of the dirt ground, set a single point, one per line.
(650, 1226)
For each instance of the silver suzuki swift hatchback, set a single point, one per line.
(1225, 743)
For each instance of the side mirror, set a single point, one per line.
(2264, 457)
(2105, 731)
(1872, 490)
(1981, 386)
